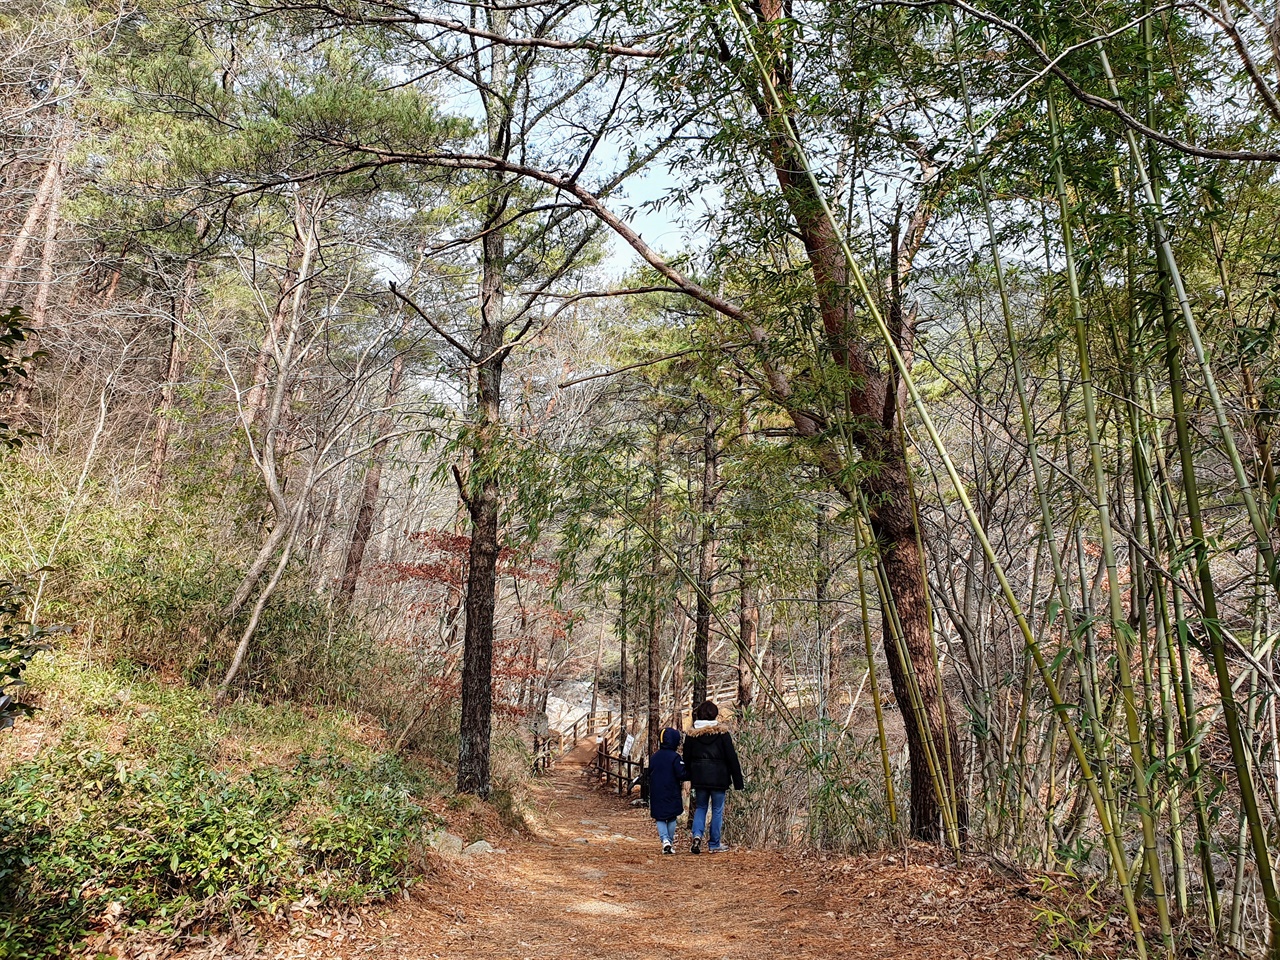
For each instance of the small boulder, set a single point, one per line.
(480, 846)
(445, 842)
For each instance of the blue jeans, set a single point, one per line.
(667, 831)
(701, 798)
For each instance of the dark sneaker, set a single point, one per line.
(668, 848)
(697, 845)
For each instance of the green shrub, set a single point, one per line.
(86, 834)
(814, 779)
(19, 643)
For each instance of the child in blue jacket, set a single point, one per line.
(666, 803)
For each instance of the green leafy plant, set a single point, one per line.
(15, 366)
(19, 643)
(90, 839)
(1073, 919)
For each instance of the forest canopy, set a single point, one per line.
(898, 373)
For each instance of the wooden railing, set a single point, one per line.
(610, 729)
(587, 725)
(547, 750)
(543, 755)
(622, 774)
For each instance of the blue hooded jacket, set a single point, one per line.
(666, 770)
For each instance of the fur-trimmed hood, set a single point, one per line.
(711, 758)
(719, 726)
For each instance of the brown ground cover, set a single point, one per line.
(591, 882)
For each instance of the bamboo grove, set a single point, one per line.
(966, 381)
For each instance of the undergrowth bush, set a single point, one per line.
(149, 812)
(85, 837)
(19, 643)
(815, 784)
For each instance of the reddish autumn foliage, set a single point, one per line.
(434, 584)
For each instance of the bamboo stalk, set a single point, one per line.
(1119, 624)
(1109, 829)
(871, 670)
(1217, 644)
(898, 638)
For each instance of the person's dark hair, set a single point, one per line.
(706, 711)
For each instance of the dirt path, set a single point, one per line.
(593, 883)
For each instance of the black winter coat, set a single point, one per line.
(666, 770)
(711, 759)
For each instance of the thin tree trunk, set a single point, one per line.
(369, 494)
(624, 700)
(679, 635)
(256, 402)
(50, 187)
(173, 375)
(706, 556)
(748, 628)
(272, 413)
(255, 615)
(655, 610)
(821, 587)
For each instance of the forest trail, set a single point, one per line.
(552, 895)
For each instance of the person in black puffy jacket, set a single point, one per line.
(713, 764)
(666, 800)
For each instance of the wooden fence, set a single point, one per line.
(587, 725)
(547, 750)
(543, 755)
(621, 773)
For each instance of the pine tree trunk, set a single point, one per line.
(482, 562)
(482, 501)
(52, 208)
(369, 494)
(893, 524)
(655, 610)
(48, 256)
(748, 627)
(706, 557)
(872, 411)
(173, 375)
(50, 186)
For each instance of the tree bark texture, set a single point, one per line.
(482, 502)
(45, 198)
(706, 556)
(48, 255)
(872, 410)
(173, 375)
(483, 507)
(653, 719)
(748, 628)
(363, 526)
